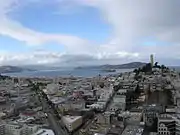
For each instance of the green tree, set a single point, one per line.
(147, 68)
(163, 67)
(135, 70)
(156, 64)
(101, 84)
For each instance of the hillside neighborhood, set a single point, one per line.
(145, 101)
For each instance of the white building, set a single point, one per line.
(133, 130)
(99, 106)
(115, 107)
(72, 105)
(153, 133)
(52, 88)
(121, 100)
(44, 132)
(166, 125)
(2, 129)
(134, 118)
(122, 92)
(16, 129)
(104, 118)
(72, 122)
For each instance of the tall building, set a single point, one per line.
(166, 125)
(152, 60)
(17, 129)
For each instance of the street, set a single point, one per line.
(54, 122)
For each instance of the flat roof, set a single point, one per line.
(71, 119)
(44, 132)
(134, 117)
(133, 130)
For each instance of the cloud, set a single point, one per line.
(44, 57)
(39, 57)
(14, 29)
(131, 21)
(134, 20)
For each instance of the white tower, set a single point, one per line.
(152, 60)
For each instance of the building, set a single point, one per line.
(151, 113)
(121, 92)
(17, 129)
(72, 122)
(133, 130)
(99, 106)
(176, 118)
(13, 129)
(2, 129)
(134, 118)
(72, 105)
(44, 132)
(177, 126)
(121, 100)
(153, 133)
(104, 118)
(152, 60)
(166, 125)
(115, 107)
(51, 88)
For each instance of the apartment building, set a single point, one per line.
(166, 125)
(133, 130)
(72, 122)
(17, 129)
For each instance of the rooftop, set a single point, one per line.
(44, 132)
(71, 119)
(134, 117)
(133, 130)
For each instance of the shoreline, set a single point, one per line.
(65, 73)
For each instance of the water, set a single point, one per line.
(64, 72)
(177, 68)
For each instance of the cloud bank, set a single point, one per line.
(131, 21)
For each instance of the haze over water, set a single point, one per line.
(63, 72)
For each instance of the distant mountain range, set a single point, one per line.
(16, 69)
(107, 67)
(120, 66)
(12, 69)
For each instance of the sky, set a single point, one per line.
(89, 32)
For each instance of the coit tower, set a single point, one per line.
(152, 60)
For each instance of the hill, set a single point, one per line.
(12, 69)
(121, 66)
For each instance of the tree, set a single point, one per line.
(2, 77)
(16, 80)
(135, 70)
(137, 90)
(147, 68)
(156, 64)
(138, 77)
(163, 67)
(101, 84)
(92, 87)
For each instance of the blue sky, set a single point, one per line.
(103, 31)
(86, 24)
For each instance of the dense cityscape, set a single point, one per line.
(144, 101)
